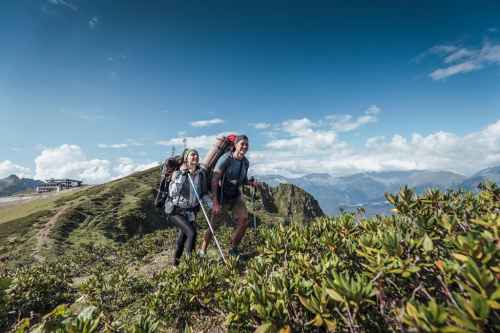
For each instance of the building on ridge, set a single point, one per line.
(56, 185)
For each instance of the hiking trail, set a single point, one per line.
(42, 237)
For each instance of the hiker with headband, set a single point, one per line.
(230, 172)
(182, 203)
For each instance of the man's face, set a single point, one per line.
(241, 148)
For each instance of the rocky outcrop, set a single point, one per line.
(285, 200)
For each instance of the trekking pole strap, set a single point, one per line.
(206, 217)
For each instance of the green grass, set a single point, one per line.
(21, 226)
(19, 210)
(22, 209)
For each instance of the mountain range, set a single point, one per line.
(367, 189)
(364, 190)
(13, 184)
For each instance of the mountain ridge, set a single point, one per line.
(13, 185)
(366, 189)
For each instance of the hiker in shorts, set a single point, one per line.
(230, 172)
(182, 204)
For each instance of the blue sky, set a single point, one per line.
(99, 89)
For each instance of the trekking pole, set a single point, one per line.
(253, 208)
(206, 217)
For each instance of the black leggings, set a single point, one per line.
(187, 232)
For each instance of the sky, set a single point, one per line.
(96, 90)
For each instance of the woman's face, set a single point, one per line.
(241, 148)
(192, 158)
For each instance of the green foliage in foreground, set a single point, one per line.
(431, 267)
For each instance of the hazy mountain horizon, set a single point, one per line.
(366, 189)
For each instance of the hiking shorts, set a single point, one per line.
(236, 206)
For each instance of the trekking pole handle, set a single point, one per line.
(206, 217)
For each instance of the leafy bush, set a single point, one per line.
(434, 266)
(114, 290)
(437, 259)
(4, 284)
(190, 289)
(38, 289)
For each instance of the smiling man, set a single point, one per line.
(230, 173)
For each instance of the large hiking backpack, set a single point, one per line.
(222, 145)
(169, 166)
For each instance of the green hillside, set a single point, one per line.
(117, 212)
(433, 266)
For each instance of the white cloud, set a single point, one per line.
(126, 166)
(437, 151)
(443, 49)
(461, 68)
(346, 123)
(458, 55)
(205, 123)
(374, 141)
(261, 125)
(64, 3)
(115, 145)
(135, 143)
(298, 126)
(373, 110)
(8, 168)
(311, 140)
(317, 137)
(69, 161)
(197, 142)
(127, 144)
(93, 23)
(459, 60)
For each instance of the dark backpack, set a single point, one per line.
(169, 166)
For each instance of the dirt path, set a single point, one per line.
(42, 237)
(153, 264)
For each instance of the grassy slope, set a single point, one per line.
(21, 210)
(111, 214)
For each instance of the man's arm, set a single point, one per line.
(215, 186)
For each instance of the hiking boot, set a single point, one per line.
(234, 252)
